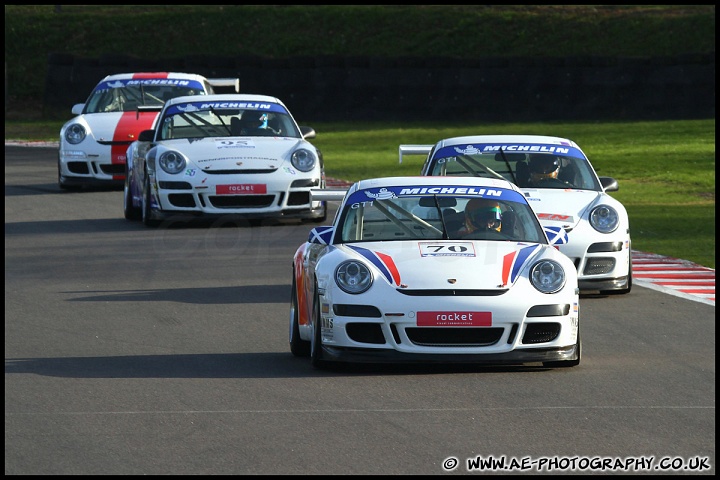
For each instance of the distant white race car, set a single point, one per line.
(224, 155)
(561, 185)
(94, 143)
(434, 270)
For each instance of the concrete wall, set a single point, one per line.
(333, 88)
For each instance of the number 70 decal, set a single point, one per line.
(453, 249)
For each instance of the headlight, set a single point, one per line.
(547, 276)
(172, 162)
(303, 159)
(75, 134)
(353, 277)
(604, 219)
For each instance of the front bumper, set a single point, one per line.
(84, 167)
(603, 265)
(604, 284)
(515, 357)
(280, 197)
(540, 330)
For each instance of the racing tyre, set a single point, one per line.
(298, 346)
(147, 218)
(316, 357)
(130, 211)
(568, 363)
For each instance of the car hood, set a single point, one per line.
(223, 153)
(560, 208)
(119, 126)
(469, 264)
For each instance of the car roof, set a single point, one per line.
(225, 97)
(427, 180)
(506, 139)
(150, 75)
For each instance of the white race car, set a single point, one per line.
(224, 155)
(563, 189)
(93, 144)
(431, 270)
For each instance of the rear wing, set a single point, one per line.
(327, 194)
(414, 150)
(225, 82)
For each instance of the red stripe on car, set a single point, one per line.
(129, 127)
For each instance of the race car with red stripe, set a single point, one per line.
(434, 270)
(94, 143)
(562, 186)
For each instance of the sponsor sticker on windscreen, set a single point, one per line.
(454, 319)
(241, 189)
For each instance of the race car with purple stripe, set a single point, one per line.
(94, 142)
(564, 190)
(434, 270)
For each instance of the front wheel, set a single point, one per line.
(298, 346)
(147, 213)
(130, 211)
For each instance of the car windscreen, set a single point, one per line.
(435, 213)
(526, 170)
(226, 119)
(127, 95)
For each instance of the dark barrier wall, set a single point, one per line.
(491, 89)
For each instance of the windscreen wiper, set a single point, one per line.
(445, 235)
(221, 120)
(507, 163)
(466, 160)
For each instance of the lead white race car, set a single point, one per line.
(434, 270)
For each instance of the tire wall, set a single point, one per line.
(405, 89)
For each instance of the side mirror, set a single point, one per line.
(146, 136)
(307, 132)
(609, 184)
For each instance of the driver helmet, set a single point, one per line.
(483, 214)
(544, 167)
